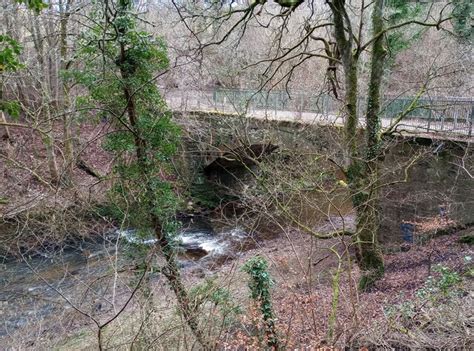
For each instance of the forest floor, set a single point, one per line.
(392, 315)
(303, 269)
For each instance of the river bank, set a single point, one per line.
(45, 303)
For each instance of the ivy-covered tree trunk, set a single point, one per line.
(128, 63)
(171, 271)
(362, 165)
(368, 221)
(260, 284)
(173, 274)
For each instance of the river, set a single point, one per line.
(35, 288)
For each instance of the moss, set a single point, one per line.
(373, 272)
(370, 258)
(466, 239)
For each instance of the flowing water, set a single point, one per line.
(34, 288)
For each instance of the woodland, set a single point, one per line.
(236, 175)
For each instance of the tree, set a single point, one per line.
(120, 76)
(345, 43)
(43, 79)
(9, 52)
(64, 88)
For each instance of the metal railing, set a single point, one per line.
(452, 115)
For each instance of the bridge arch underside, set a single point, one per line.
(431, 179)
(233, 164)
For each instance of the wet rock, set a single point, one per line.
(195, 251)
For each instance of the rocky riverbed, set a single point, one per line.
(36, 287)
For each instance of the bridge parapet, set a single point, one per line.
(445, 117)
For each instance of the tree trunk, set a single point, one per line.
(6, 132)
(171, 271)
(48, 141)
(44, 88)
(368, 223)
(64, 101)
(362, 170)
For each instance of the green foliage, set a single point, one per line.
(401, 10)
(119, 59)
(441, 288)
(10, 50)
(446, 285)
(259, 285)
(204, 193)
(208, 194)
(110, 211)
(35, 5)
(462, 19)
(10, 107)
(261, 282)
(405, 309)
(399, 40)
(467, 239)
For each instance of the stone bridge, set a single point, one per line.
(441, 118)
(429, 178)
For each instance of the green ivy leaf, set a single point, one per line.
(12, 108)
(35, 5)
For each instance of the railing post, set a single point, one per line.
(471, 118)
(455, 115)
(443, 116)
(429, 118)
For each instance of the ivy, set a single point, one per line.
(462, 14)
(10, 51)
(12, 108)
(35, 5)
(9, 54)
(117, 55)
(399, 40)
(119, 66)
(259, 285)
